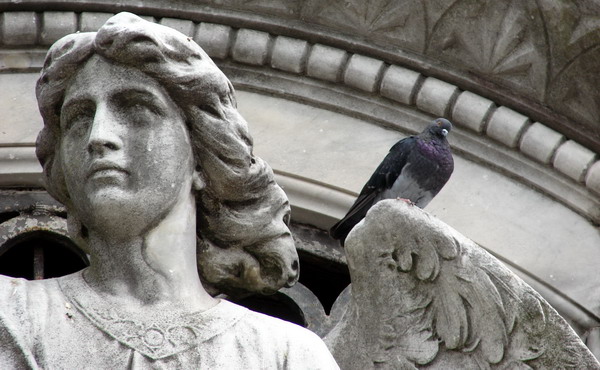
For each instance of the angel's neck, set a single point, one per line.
(156, 268)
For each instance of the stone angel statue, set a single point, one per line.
(424, 296)
(144, 145)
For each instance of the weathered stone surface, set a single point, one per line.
(471, 110)
(362, 72)
(289, 54)
(92, 21)
(18, 28)
(57, 25)
(214, 39)
(507, 126)
(573, 160)
(593, 177)
(184, 26)
(435, 96)
(325, 62)
(424, 295)
(251, 47)
(540, 142)
(399, 84)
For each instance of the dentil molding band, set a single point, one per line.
(25, 35)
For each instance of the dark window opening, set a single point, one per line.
(325, 282)
(276, 305)
(7, 216)
(41, 255)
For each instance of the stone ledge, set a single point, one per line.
(312, 202)
(24, 60)
(19, 167)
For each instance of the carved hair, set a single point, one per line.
(244, 243)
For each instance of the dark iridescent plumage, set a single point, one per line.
(416, 168)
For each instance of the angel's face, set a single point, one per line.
(125, 150)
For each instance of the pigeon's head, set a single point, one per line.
(440, 127)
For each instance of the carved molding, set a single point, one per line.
(575, 181)
(537, 57)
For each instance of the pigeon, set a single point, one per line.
(415, 169)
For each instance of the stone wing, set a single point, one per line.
(424, 295)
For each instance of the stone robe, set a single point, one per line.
(62, 324)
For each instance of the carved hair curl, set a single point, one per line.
(244, 243)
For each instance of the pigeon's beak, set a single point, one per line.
(444, 132)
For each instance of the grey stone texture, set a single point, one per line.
(56, 25)
(435, 96)
(214, 39)
(363, 72)
(325, 62)
(251, 47)
(573, 160)
(184, 26)
(92, 21)
(540, 142)
(471, 111)
(507, 126)
(424, 295)
(399, 84)
(289, 54)
(593, 177)
(18, 28)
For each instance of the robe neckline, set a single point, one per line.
(163, 334)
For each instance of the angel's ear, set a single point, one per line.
(198, 182)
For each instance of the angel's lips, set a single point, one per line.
(106, 171)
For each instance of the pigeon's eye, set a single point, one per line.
(444, 132)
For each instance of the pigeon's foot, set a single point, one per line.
(408, 201)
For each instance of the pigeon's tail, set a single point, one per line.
(356, 213)
(342, 228)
